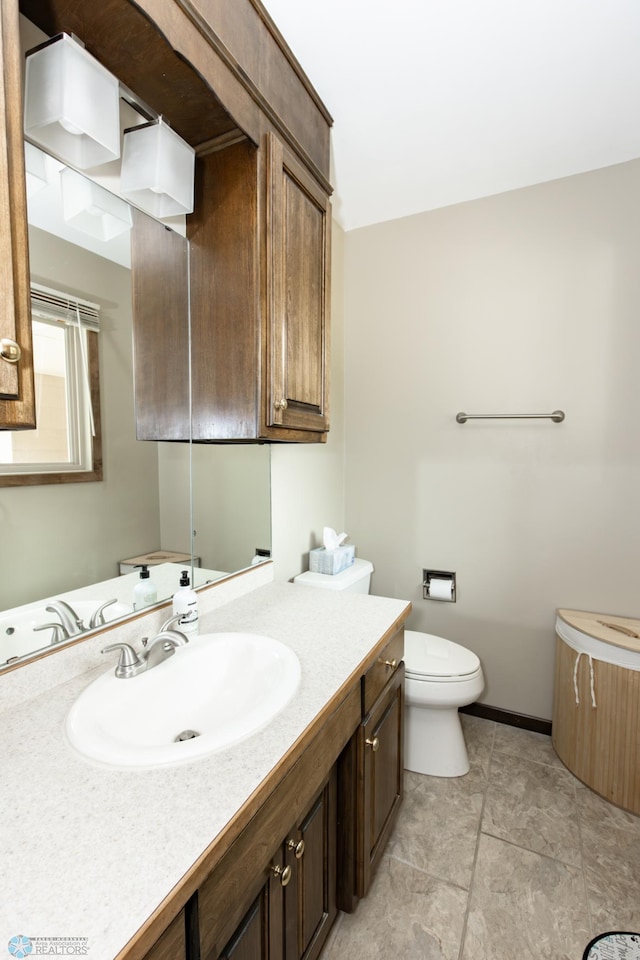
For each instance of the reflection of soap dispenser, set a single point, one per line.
(145, 591)
(185, 605)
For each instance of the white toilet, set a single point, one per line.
(440, 676)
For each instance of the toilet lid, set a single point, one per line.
(426, 655)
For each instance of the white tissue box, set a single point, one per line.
(331, 561)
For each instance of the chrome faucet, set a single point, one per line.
(161, 647)
(68, 617)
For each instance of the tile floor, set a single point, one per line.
(516, 860)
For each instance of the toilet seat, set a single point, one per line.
(436, 659)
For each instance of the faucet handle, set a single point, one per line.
(97, 620)
(170, 622)
(129, 663)
(59, 632)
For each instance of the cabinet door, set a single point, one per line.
(310, 898)
(381, 773)
(298, 247)
(17, 398)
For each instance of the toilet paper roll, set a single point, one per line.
(440, 589)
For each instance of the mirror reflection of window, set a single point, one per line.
(62, 438)
(66, 382)
(49, 443)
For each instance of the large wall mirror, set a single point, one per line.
(210, 503)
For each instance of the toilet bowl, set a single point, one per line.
(440, 677)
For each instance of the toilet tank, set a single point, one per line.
(355, 579)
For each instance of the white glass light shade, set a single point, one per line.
(158, 170)
(92, 209)
(72, 104)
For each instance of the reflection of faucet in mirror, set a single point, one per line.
(70, 623)
(68, 617)
(59, 632)
(97, 620)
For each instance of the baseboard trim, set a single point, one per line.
(483, 710)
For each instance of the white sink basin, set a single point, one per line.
(222, 686)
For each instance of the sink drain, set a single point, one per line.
(186, 735)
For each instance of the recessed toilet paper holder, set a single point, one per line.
(443, 586)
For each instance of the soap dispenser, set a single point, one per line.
(185, 605)
(145, 592)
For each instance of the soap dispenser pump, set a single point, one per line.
(145, 592)
(185, 605)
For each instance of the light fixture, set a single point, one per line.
(158, 170)
(92, 209)
(71, 104)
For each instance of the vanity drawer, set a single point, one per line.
(377, 676)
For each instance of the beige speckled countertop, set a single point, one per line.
(87, 851)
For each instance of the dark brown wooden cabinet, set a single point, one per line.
(259, 303)
(298, 251)
(17, 396)
(310, 898)
(380, 776)
(292, 914)
(371, 776)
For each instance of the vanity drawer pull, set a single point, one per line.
(297, 846)
(284, 873)
(374, 744)
(392, 664)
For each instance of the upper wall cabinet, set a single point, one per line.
(260, 292)
(17, 401)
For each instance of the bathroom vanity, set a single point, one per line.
(248, 852)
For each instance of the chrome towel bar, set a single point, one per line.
(557, 416)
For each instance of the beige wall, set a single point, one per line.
(307, 480)
(60, 536)
(524, 302)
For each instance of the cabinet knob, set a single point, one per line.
(284, 873)
(297, 846)
(374, 744)
(280, 404)
(10, 350)
(392, 664)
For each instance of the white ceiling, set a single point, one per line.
(440, 101)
